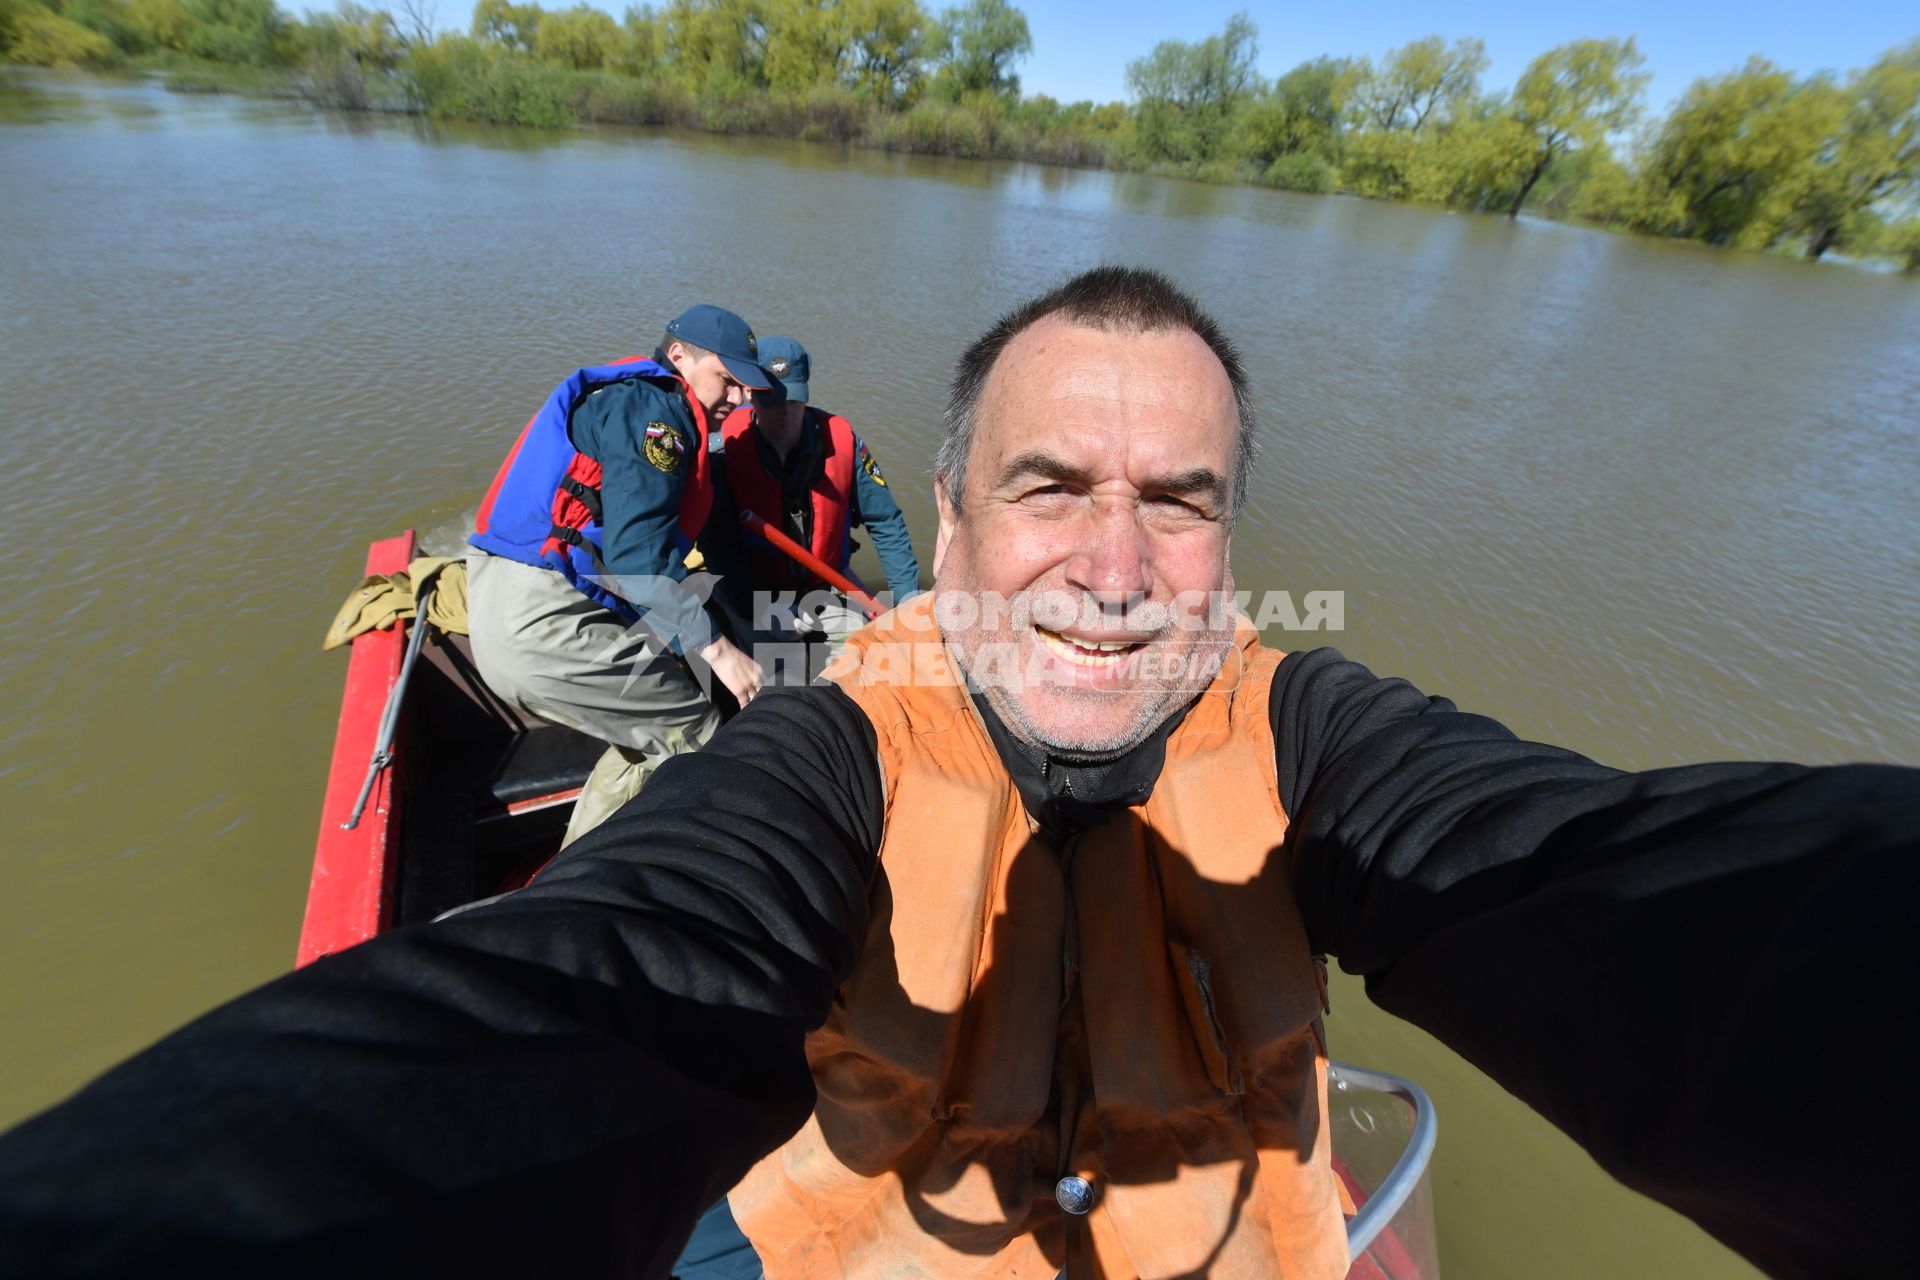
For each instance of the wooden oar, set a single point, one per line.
(811, 563)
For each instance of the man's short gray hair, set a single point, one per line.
(1110, 298)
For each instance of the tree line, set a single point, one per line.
(1758, 158)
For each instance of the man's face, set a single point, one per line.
(1097, 491)
(780, 416)
(707, 378)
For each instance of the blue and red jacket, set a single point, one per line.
(831, 493)
(544, 506)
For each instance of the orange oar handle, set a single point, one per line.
(812, 563)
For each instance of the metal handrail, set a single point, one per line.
(1398, 1185)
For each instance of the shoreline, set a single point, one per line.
(981, 130)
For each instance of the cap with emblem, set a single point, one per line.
(726, 335)
(787, 361)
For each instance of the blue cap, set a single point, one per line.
(787, 361)
(726, 335)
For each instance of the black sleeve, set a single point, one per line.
(557, 1082)
(1705, 975)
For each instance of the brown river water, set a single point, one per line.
(1652, 501)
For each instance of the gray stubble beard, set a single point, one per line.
(1151, 715)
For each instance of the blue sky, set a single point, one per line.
(1080, 49)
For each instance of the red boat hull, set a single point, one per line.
(351, 896)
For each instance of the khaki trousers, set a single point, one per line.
(557, 655)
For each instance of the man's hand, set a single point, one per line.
(740, 673)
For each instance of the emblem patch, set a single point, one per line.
(872, 468)
(663, 447)
(778, 366)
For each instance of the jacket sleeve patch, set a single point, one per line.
(663, 447)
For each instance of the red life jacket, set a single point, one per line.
(758, 492)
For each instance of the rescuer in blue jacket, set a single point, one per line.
(578, 600)
(804, 471)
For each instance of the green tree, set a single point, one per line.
(509, 25)
(42, 38)
(1418, 83)
(889, 40)
(1903, 241)
(464, 79)
(1477, 160)
(1379, 163)
(1590, 184)
(364, 37)
(237, 31)
(717, 44)
(806, 42)
(642, 42)
(11, 12)
(582, 37)
(347, 55)
(979, 44)
(163, 24)
(1302, 112)
(1187, 92)
(1871, 156)
(1573, 96)
(110, 18)
(1731, 159)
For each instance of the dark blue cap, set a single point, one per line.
(787, 361)
(726, 335)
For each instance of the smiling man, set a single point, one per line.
(1100, 494)
(1084, 1028)
(997, 955)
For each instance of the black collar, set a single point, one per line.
(1066, 796)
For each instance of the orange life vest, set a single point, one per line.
(1139, 1008)
(831, 492)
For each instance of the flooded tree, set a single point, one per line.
(1871, 157)
(1418, 82)
(1573, 96)
(1725, 164)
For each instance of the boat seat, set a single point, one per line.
(480, 746)
(540, 762)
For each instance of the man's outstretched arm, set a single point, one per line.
(1700, 974)
(554, 1083)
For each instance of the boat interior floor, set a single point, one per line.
(489, 788)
